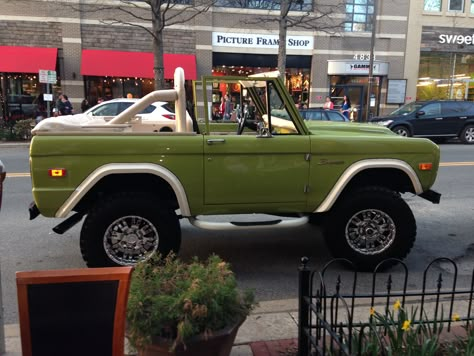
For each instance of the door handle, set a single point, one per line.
(439, 118)
(463, 117)
(212, 141)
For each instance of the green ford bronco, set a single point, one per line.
(133, 184)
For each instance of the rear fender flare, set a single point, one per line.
(125, 168)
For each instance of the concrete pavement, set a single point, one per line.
(271, 329)
(272, 320)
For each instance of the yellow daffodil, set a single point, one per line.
(406, 325)
(397, 305)
(372, 311)
(456, 317)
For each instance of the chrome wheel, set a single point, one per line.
(370, 232)
(469, 135)
(130, 239)
(401, 131)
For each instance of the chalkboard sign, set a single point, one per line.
(396, 91)
(73, 312)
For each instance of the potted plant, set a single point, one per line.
(179, 308)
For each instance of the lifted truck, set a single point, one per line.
(133, 185)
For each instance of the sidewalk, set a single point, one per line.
(270, 330)
(14, 143)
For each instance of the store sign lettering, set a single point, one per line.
(456, 39)
(355, 67)
(260, 41)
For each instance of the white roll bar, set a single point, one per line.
(178, 95)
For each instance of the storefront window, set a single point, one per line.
(24, 95)
(110, 88)
(296, 81)
(472, 6)
(432, 5)
(446, 76)
(456, 5)
(359, 15)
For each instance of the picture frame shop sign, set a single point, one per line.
(225, 39)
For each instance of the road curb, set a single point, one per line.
(13, 144)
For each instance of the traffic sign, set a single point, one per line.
(47, 76)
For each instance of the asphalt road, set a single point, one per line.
(266, 260)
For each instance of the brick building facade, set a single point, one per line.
(332, 64)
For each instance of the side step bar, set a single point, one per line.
(236, 225)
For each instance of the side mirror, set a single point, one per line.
(420, 113)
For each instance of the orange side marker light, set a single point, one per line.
(425, 166)
(57, 172)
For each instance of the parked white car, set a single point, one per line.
(159, 114)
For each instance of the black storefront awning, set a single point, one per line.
(258, 60)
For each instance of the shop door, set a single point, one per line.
(355, 93)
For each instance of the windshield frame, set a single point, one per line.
(407, 109)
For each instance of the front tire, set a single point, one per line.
(402, 131)
(127, 228)
(467, 135)
(370, 225)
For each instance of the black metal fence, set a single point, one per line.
(333, 315)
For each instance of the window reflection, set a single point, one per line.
(359, 15)
(445, 76)
(298, 5)
(456, 5)
(432, 5)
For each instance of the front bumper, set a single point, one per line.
(34, 211)
(431, 196)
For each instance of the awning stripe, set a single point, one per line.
(133, 64)
(16, 59)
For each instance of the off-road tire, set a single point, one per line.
(402, 131)
(382, 221)
(146, 221)
(467, 135)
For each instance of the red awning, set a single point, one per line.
(133, 64)
(27, 59)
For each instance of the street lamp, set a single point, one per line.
(371, 62)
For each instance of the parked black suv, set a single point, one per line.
(434, 119)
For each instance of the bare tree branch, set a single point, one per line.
(152, 16)
(131, 24)
(320, 19)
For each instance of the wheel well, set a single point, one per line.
(464, 127)
(391, 178)
(406, 126)
(142, 182)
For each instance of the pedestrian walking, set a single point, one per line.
(66, 107)
(346, 107)
(85, 105)
(328, 104)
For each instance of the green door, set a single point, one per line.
(250, 170)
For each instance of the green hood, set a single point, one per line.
(349, 128)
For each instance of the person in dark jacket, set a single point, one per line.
(85, 105)
(66, 107)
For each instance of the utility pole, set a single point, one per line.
(371, 62)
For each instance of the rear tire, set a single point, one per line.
(402, 131)
(127, 228)
(369, 226)
(467, 135)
